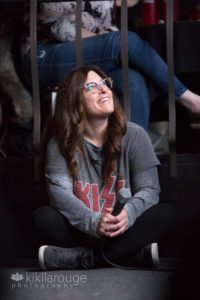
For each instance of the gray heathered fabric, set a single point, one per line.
(82, 203)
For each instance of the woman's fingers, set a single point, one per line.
(118, 232)
(112, 226)
(104, 223)
(109, 210)
(121, 226)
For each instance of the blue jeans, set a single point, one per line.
(55, 60)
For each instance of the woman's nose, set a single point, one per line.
(102, 89)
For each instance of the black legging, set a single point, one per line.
(152, 226)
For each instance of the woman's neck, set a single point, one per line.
(95, 131)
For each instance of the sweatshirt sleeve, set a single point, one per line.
(60, 191)
(146, 189)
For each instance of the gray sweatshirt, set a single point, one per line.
(82, 202)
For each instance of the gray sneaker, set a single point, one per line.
(153, 251)
(147, 257)
(51, 258)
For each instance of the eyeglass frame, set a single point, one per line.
(99, 85)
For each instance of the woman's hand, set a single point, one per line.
(86, 33)
(129, 2)
(112, 226)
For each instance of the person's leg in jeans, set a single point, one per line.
(54, 64)
(58, 59)
(139, 95)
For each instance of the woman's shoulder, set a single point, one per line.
(136, 134)
(138, 145)
(133, 128)
(52, 145)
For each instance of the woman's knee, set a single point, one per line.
(160, 214)
(137, 83)
(136, 43)
(164, 214)
(45, 216)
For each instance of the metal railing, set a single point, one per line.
(124, 47)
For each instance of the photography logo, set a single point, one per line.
(17, 277)
(42, 280)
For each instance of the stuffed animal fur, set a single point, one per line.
(10, 81)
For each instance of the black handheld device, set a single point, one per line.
(121, 199)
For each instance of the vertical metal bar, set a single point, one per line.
(35, 86)
(79, 56)
(171, 91)
(124, 58)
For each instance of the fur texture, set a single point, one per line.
(10, 81)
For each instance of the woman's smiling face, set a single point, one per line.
(97, 96)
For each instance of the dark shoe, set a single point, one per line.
(51, 258)
(147, 257)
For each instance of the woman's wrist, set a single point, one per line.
(86, 33)
(129, 2)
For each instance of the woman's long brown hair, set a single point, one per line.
(69, 122)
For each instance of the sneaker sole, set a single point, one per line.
(41, 257)
(155, 254)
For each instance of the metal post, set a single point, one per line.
(171, 90)
(124, 58)
(35, 86)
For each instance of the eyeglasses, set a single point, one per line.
(94, 87)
